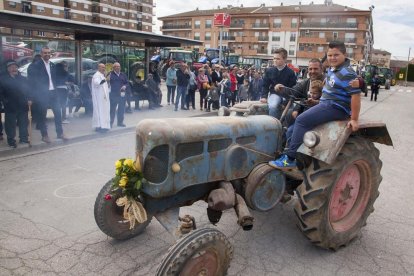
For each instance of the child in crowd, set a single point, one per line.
(213, 97)
(339, 101)
(244, 90)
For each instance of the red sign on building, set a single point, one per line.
(222, 19)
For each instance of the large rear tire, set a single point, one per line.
(334, 201)
(205, 251)
(108, 216)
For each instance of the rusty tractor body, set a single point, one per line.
(224, 161)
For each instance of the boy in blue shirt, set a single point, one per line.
(339, 101)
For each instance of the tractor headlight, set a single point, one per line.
(311, 139)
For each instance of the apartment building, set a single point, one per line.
(125, 14)
(381, 58)
(303, 30)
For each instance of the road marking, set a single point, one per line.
(55, 193)
(409, 91)
(400, 90)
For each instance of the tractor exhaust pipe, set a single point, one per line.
(245, 219)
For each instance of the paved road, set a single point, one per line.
(47, 225)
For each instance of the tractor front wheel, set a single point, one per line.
(334, 201)
(204, 251)
(108, 215)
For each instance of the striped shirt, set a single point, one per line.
(337, 89)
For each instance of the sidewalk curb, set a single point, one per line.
(23, 151)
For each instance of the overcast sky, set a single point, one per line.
(393, 19)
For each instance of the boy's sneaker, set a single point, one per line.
(65, 122)
(283, 162)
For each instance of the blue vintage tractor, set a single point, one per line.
(223, 161)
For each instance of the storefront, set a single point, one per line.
(81, 45)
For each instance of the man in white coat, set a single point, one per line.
(100, 101)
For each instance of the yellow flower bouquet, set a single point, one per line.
(129, 179)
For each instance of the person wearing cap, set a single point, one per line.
(42, 79)
(14, 93)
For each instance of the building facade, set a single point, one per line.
(303, 30)
(125, 14)
(381, 58)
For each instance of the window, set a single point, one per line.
(320, 49)
(291, 50)
(27, 32)
(350, 38)
(56, 35)
(276, 37)
(351, 22)
(321, 35)
(86, 6)
(277, 23)
(294, 23)
(197, 24)
(74, 4)
(197, 36)
(123, 13)
(40, 33)
(208, 23)
(55, 12)
(207, 36)
(292, 37)
(207, 46)
(104, 9)
(55, 1)
(335, 35)
(256, 34)
(40, 9)
(12, 4)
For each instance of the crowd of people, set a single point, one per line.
(107, 95)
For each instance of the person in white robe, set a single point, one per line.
(100, 101)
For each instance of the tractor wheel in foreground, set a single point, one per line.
(204, 251)
(108, 216)
(334, 201)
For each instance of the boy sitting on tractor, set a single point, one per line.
(339, 101)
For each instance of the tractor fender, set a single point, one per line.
(333, 136)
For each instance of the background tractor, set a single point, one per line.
(224, 161)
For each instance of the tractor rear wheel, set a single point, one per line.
(334, 201)
(204, 251)
(108, 215)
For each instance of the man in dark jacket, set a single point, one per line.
(119, 84)
(279, 73)
(301, 89)
(14, 92)
(42, 78)
(183, 79)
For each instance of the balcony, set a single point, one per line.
(332, 25)
(177, 27)
(263, 38)
(312, 40)
(262, 51)
(229, 37)
(261, 25)
(350, 40)
(238, 25)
